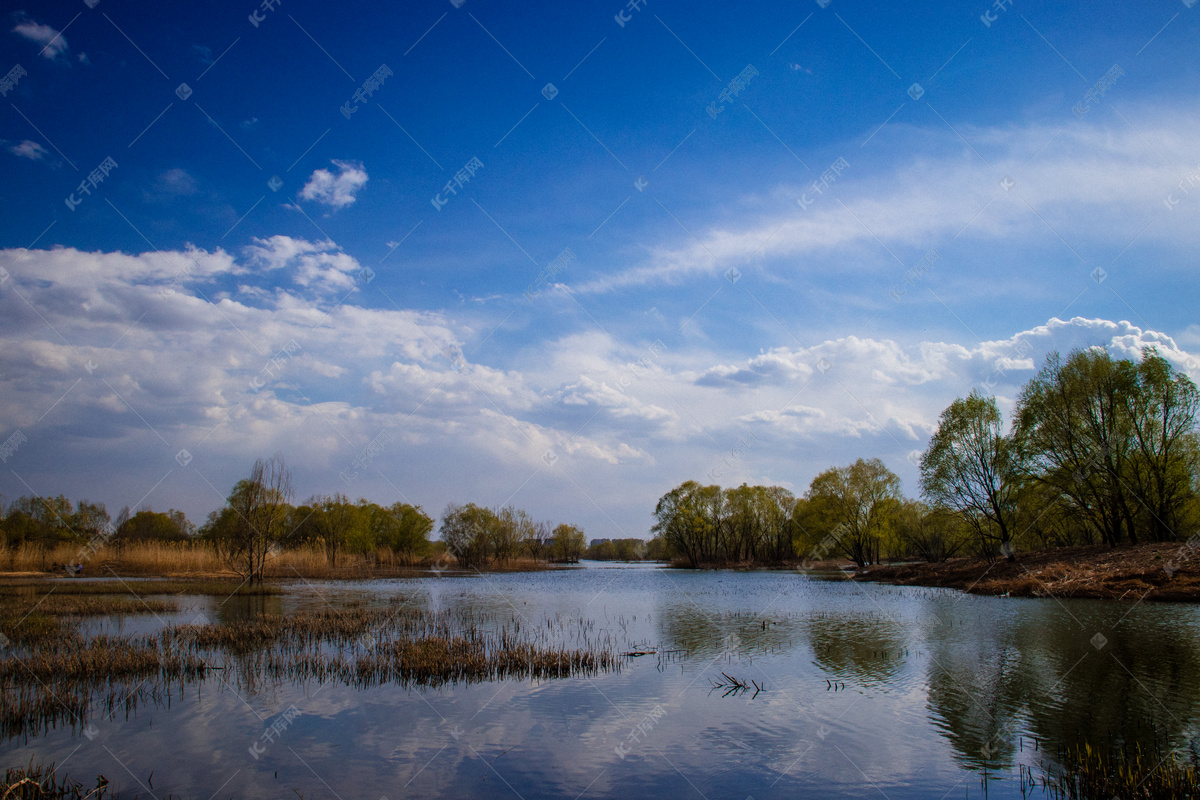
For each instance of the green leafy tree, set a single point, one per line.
(851, 510)
(468, 533)
(568, 544)
(148, 526)
(932, 534)
(972, 467)
(403, 530)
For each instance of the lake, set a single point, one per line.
(853, 690)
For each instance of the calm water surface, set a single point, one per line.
(867, 691)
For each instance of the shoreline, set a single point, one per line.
(1124, 572)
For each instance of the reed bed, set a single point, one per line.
(135, 588)
(53, 682)
(38, 782)
(134, 558)
(1126, 773)
(197, 558)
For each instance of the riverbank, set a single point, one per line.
(1126, 572)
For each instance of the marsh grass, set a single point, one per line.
(197, 558)
(1125, 773)
(61, 680)
(28, 615)
(139, 588)
(41, 781)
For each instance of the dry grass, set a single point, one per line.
(41, 781)
(168, 559)
(140, 588)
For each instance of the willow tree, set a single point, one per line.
(973, 468)
(1162, 413)
(851, 510)
(259, 506)
(1116, 439)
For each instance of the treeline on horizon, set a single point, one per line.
(1099, 450)
(259, 521)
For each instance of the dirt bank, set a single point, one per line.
(1128, 572)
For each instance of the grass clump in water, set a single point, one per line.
(1088, 773)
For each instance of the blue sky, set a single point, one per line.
(259, 273)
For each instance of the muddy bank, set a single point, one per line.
(1128, 572)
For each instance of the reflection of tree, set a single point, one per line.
(974, 697)
(704, 634)
(1043, 672)
(868, 648)
(248, 607)
(239, 608)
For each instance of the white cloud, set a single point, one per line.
(52, 41)
(109, 377)
(29, 149)
(1076, 183)
(174, 182)
(337, 191)
(320, 265)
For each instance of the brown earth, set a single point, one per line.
(1169, 571)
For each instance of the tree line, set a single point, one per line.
(1097, 450)
(628, 549)
(48, 521)
(259, 520)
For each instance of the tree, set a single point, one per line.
(259, 505)
(933, 534)
(1162, 413)
(403, 529)
(688, 519)
(514, 529)
(333, 519)
(1116, 440)
(568, 544)
(147, 525)
(537, 540)
(971, 467)
(467, 531)
(1071, 421)
(851, 510)
(90, 520)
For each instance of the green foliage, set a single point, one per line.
(616, 549)
(567, 544)
(852, 511)
(147, 526)
(973, 468)
(708, 525)
(1115, 441)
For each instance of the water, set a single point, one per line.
(866, 689)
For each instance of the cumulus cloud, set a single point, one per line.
(319, 265)
(53, 43)
(113, 363)
(336, 191)
(29, 149)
